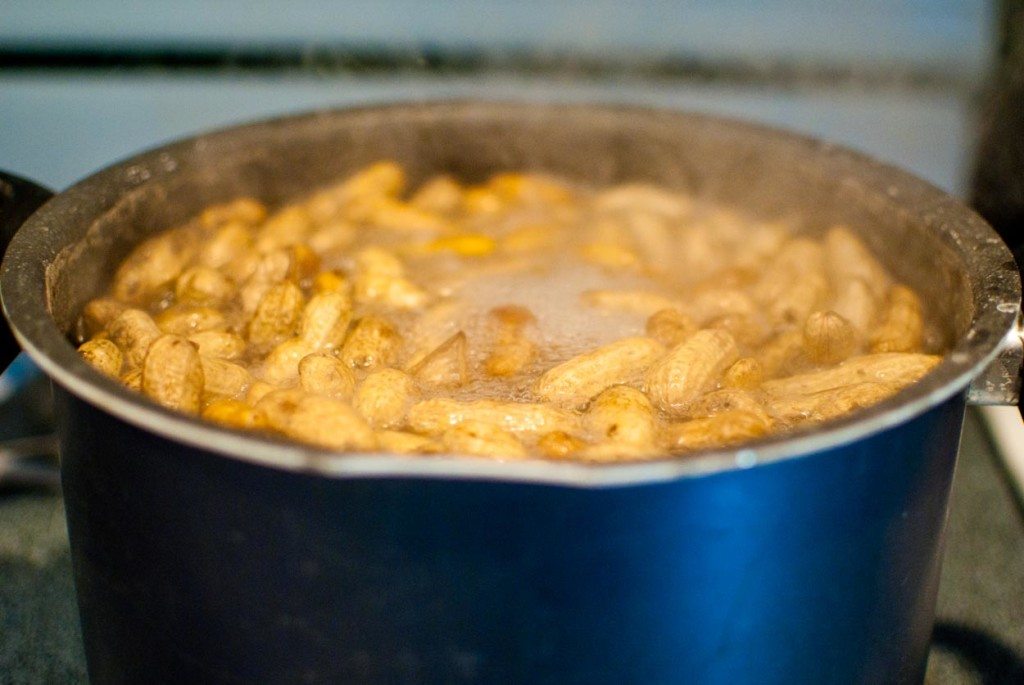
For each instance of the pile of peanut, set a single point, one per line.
(520, 317)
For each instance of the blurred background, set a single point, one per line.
(83, 84)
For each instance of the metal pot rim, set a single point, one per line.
(993, 278)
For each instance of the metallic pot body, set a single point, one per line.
(193, 568)
(206, 555)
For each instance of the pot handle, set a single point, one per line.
(18, 200)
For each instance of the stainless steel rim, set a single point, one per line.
(993, 278)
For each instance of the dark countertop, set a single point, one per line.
(979, 637)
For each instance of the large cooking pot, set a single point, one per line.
(207, 555)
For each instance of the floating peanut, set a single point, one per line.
(223, 378)
(227, 244)
(828, 337)
(560, 445)
(258, 390)
(794, 275)
(893, 368)
(235, 414)
(99, 313)
(726, 399)
(690, 369)
(855, 302)
(403, 442)
(186, 319)
(103, 355)
(282, 364)
(325, 320)
(902, 326)
(441, 194)
(284, 228)
(847, 258)
(278, 406)
(332, 282)
(329, 423)
(383, 398)
(670, 326)
(512, 350)
(483, 439)
(153, 265)
(749, 330)
(435, 416)
(133, 331)
(828, 404)
(132, 379)
(572, 383)
(782, 353)
(376, 181)
(244, 211)
(373, 343)
(172, 374)
(219, 344)
(646, 198)
(203, 285)
(380, 279)
(447, 365)
(277, 316)
(621, 414)
(745, 373)
(726, 428)
(805, 293)
(324, 374)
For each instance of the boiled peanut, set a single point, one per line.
(560, 445)
(103, 355)
(373, 343)
(828, 404)
(902, 328)
(512, 350)
(203, 286)
(186, 319)
(172, 374)
(219, 344)
(99, 313)
(223, 378)
(403, 442)
(828, 337)
(329, 423)
(745, 373)
(726, 428)
(244, 210)
(483, 439)
(324, 374)
(277, 316)
(690, 369)
(235, 414)
(325, 320)
(848, 258)
(133, 331)
(435, 416)
(445, 366)
(383, 398)
(622, 414)
(670, 326)
(572, 383)
(893, 368)
(282, 364)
